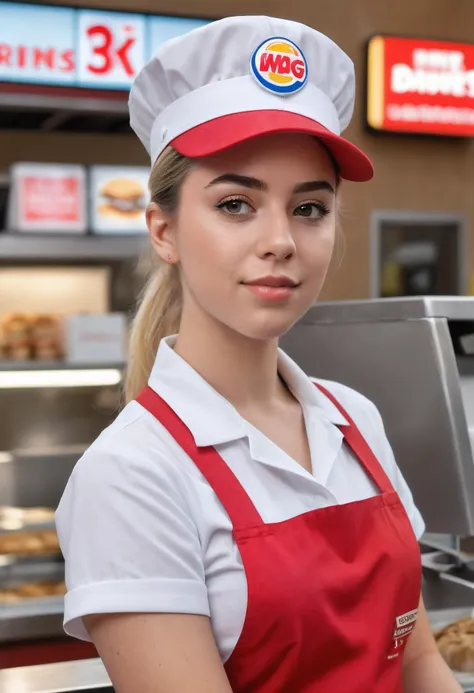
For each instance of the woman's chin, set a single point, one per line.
(267, 329)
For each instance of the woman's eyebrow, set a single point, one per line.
(312, 186)
(256, 184)
(245, 181)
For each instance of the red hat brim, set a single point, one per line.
(226, 131)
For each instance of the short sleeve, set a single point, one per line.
(129, 542)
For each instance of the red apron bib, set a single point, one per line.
(332, 593)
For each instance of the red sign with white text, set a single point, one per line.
(47, 197)
(51, 199)
(421, 86)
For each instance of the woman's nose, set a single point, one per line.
(276, 239)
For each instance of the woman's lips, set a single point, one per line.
(271, 293)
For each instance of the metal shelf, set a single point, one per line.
(16, 247)
(63, 109)
(56, 366)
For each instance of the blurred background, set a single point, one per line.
(72, 198)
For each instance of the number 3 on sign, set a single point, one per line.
(111, 48)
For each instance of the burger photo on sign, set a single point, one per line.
(119, 197)
(123, 197)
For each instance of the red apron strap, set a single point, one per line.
(360, 447)
(220, 477)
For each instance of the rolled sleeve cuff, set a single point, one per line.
(132, 596)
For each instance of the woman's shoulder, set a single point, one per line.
(362, 410)
(368, 420)
(126, 526)
(131, 423)
(134, 449)
(366, 416)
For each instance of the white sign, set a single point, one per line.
(36, 44)
(84, 48)
(97, 339)
(47, 198)
(162, 29)
(111, 49)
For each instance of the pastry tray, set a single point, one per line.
(442, 618)
(19, 572)
(13, 519)
(10, 560)
(16, 520)
(32, 608)
(31, 605)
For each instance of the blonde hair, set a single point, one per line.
(160, 302)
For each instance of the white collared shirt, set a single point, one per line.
(142, 531)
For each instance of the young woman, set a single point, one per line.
(239, 527)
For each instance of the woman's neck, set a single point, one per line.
(242, 370)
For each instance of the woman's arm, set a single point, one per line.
(159, 653)
(424, 669)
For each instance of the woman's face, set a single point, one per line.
(254, 233)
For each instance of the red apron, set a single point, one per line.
(332, 593)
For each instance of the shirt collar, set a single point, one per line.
(210, 417)
(305, 391)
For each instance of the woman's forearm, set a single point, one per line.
(429, 673)
(424, 669)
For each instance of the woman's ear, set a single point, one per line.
(160, 226)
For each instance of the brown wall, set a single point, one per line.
(412, 173)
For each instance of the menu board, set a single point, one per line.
(47, 198)
(118, 198)
(79, 47)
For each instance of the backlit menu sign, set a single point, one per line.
(48, 197)
(420, 86)
(80, 48)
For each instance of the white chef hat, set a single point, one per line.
(241, 77)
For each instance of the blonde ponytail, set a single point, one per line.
(159, 306)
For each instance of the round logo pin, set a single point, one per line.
(279, 65)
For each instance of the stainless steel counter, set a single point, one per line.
(89, 676)
(85, 676)
(27, 622)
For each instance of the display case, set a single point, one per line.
(50, 412)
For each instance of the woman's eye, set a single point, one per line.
(235, 207)
(311, 210)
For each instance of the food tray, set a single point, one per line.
(22, 571)
(29, 608)
(7, 560)
(14, 519)
(442, 618)
(20, 539)
(20, 577)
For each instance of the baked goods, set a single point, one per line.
(44, 542)
(16, 337)
(46, 339)
(12, 517)
(8, 597)
(3, 345)
(24, 337)
(32, 590)
(456, 644)
(123, 198)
